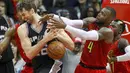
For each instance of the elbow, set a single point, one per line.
(29, 55)
(72, 47)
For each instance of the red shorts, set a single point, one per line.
(80, 69)
(27, 69)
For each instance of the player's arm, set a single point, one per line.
(124, 57)
(123, 47)
(7, 38)
(65, 39)
(87, 21)
(75, 23)
(102, 34)
(32, 51)
(121, 58)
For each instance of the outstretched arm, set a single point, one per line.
(65, 39)
(75, 23)
(104, 33)
(124, 47)
(124, 57)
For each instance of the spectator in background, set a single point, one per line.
(83, 4)
(96, 5)
(89, 12)
(48, 3)
(71, 3)
(40, 6)
(60, 7)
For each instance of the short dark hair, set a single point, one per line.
(122, 24)
(113, 12)
(27, 5)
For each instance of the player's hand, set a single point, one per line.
(57, 24)
(46, 17)
(112, 59)
(89, 20)
(51, 34)
(10, 32)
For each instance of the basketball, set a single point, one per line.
(56, 50)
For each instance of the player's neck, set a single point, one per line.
(36, 18)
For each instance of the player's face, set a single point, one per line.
(118, 28)
(117, 25)
(19, 16)
(26, 15)
(103, 16)
(2, 8)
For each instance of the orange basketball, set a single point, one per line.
(56, 50)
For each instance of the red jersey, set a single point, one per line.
(95, 52)
(120, 67)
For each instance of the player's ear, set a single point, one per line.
(32, 10)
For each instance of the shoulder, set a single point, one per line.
(122, 43)
(105, 30)
(107, 34)
(22, 26)
(22, 29)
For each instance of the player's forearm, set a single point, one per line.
(68, 43)
(90, 35)
(4, 44)
(124, 57)
(74, 23)
(34, 50)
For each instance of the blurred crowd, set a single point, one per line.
(74, 9)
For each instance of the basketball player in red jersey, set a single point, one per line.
(120, 55)
(99, 38)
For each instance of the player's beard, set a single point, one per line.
(99, 23)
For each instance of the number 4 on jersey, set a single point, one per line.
(90, 46)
